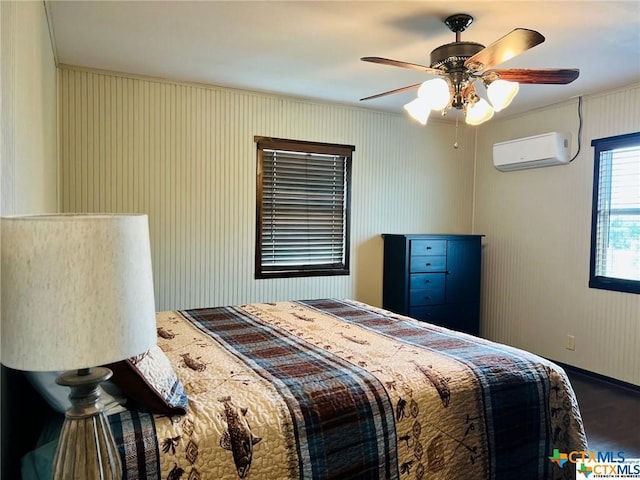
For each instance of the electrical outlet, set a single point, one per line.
(571, 342)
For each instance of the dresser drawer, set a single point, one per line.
(432, 314)
(428, 263)
(428, 247)
(427, 281)
(463, 317)
(426, 297)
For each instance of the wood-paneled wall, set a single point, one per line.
(185, 155)
(536, 264)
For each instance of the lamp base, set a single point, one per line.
(86, 448)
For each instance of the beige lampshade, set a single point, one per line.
(77, 290)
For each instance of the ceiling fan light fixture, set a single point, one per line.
(501, 93)
(419, 110)
(478, 112)
(458, 65)
(436, 93)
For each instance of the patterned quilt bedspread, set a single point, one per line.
(336, 389)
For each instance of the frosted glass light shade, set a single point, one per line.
(435, 92)
(480, 112)
(77, 290)
(501, 93)
(419, 110)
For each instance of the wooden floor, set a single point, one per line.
(611, 414)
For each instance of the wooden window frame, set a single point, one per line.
(302, 269)
(596, 279)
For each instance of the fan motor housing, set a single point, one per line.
(453, 55)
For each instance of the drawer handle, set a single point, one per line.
(427, 297)
(428, 248)
(427, 264)
(427, 281)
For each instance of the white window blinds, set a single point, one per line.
(616, 204)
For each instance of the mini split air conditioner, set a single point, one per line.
(532, 152)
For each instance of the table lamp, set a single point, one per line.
(77, 293)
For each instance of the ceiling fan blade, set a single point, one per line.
(391, 92)
(398, 63)
(558, 76)
(512, 44)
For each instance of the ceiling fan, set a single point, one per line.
(458, 65)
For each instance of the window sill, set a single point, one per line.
(615, 284)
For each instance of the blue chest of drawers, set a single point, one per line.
(434, 278)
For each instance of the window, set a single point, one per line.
(302, 202)
(615, 221)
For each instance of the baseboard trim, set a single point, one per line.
(597, 376)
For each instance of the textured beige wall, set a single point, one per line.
(29, 152)
(536, 259)
(185, 155)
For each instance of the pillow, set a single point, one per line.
(149, 379)
(57, 396)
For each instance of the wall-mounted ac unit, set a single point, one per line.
(532, 152)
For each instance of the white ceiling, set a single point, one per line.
(312, 49)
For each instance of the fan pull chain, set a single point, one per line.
(455, 144)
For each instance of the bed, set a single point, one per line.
(337, 389)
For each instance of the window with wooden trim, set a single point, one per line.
(615, 220)
(302, 208)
